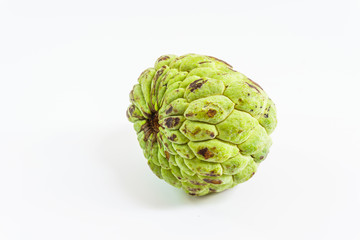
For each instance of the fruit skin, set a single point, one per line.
(203, 126)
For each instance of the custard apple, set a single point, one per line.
(203, 126)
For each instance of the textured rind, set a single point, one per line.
(203, 126)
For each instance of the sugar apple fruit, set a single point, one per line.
(203, 126)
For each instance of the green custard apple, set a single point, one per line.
(203, 126)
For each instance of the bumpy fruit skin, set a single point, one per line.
(203, 126)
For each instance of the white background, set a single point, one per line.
(70, 164)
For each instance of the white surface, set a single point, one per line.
(71, 167)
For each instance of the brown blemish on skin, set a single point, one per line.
(131, 95)
(211, 113)
(181, 57)
(212, 190)
(164, 78)
(252, 86)
(153, 90)
(194, 189)
(266, 115)
(205, 153)
(171, 122)
(189, 115)
(172, 137)
(220, 61)
(131, 109)
(197, 183)
(213, 181)
(252, 174)
(158, 74)
(196, 131)
(255, 83)
(196, 84)
(163, 58)
(262, 157)
(167, 155)
(148, 131)
(212, 174)
(145, 71)
(169, 110)
(212, 135)
(204, 62)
